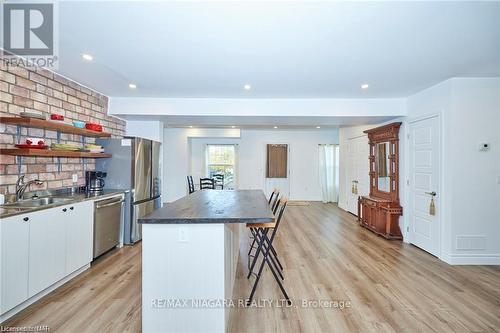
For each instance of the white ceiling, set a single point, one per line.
(283, 49)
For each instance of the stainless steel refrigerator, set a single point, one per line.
(134, 166)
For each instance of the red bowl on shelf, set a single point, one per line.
(22, 145)
(34, 142)
(56, 117)
(93, 127)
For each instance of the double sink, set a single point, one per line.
(36, 202)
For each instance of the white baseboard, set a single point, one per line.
(471, 259)
(41, 294)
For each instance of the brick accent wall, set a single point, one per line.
(42, 91)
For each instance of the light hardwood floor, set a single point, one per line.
(391, 286)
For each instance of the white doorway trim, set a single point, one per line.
(439, 199)
(353, 164)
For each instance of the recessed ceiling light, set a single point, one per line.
(87, 57)
(247, 87)
(233, 126)
(190, 126)
(275, 126)
(318, 126)
(365, 86)
(132, 85)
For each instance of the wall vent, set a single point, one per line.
(471, 243)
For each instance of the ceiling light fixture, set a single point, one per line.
(132, 85)
(87, 57)
(318, 126)
(275, 126)
(365, 86)
(233, 126)
(190, 126)
(247, 87)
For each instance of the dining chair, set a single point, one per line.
(219, 180)
(190, 184)
(275, 190)
(268, 252)
(207, 184)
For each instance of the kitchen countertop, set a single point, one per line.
(6, 210)
(214, 206)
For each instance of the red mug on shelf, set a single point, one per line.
(93, 127)
(56, 117)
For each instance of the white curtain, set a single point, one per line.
(328, 172)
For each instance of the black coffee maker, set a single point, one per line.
(94, 181)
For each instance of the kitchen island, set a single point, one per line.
(189, 257)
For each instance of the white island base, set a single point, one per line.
(188, 270)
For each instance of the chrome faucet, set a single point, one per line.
(21, 186)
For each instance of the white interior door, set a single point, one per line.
(424, 184)
(358, 168)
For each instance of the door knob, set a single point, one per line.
(431, 193)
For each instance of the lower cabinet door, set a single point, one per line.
(47, 248)
(79, 235)
(373, 216)
(382, 221)
(14, 239)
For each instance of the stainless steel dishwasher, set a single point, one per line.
(107, 217)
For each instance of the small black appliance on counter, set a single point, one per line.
(94, 181)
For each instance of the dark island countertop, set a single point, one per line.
(214, 206)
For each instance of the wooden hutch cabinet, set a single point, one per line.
(380, 210)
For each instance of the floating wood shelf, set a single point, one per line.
(52, 125)
(51, 153)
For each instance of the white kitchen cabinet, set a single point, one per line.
(14, 237)
(42, 248)
(79, 235)
(47, 248)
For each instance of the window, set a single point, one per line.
(221, 161)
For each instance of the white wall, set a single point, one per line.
(303, 159)
(304, 182)
(470, 114)
(175, 163)
(152, 130)
(475, 199)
